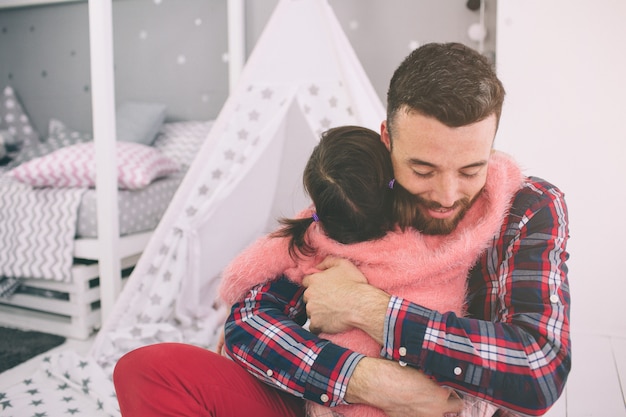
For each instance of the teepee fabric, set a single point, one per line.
(302, 78)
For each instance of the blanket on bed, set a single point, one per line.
(37, 230)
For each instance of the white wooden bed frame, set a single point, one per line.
(91, 300)
(80, 315)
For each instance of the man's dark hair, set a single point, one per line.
(448, 81)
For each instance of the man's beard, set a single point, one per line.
(431, 226)
(416, 205)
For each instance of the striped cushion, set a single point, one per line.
(74, 166)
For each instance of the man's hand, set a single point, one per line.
(339, 298)
(400, 391)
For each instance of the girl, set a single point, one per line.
(358, 213)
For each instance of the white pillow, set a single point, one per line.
(182, 141)
(74, 166)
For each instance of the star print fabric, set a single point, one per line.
(65, 384)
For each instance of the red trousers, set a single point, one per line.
(173, 379)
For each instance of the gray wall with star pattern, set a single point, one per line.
(174, 51)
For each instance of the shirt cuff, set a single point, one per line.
(405, 327)
(328, 379)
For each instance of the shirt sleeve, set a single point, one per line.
(514, 349)
(264, 334)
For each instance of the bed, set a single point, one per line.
(91, 262)
(49, 247)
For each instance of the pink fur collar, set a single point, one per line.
(399, 260)
(428, 270)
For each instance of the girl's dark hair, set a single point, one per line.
(448, 81)
(347, 177)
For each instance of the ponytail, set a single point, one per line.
(295, 230)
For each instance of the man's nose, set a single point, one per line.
(446, 191)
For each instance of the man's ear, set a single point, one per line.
(384, 135)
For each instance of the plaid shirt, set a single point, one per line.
(513, 347)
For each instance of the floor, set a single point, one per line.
(596, 386)
(14, 375)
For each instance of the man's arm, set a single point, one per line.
(400, 390)
(515, 348)
(264, 335)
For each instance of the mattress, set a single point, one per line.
(139, 210)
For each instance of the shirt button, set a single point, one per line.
(402, 351)
(269, 372)
(401, 363)
(324, 398)
(554, 298)
(458, 371)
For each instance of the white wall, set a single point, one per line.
(563, 64)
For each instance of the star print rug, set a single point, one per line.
(68, 383)
(65, 384)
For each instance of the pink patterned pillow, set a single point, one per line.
(74, 166)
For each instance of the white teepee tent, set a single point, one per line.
(302, 78)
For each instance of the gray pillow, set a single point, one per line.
(139, 122)
(13, 118)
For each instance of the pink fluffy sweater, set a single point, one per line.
(430, 270)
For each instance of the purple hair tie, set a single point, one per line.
(315, 218)
(391, 183)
